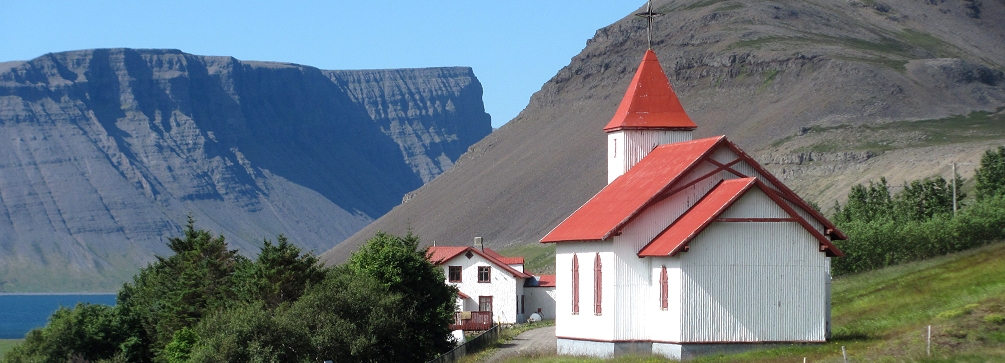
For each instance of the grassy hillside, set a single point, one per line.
(883, 315)
(6, 345)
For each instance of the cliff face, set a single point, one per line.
(108, 150)
(759, 72)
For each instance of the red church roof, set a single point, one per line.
(440, 254)
(718, 200)
(629, 194)
(650, 181)
(650, 102)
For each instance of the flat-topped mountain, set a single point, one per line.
(105, 152)
(825, 94)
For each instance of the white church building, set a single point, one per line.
(691, 247)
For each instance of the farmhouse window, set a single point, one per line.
(575, 284)
(664, 289)
(484, 274)
(455, 274)
(522, 305)
(484, 303)
(598, 278)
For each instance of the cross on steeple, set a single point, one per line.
(649, 15)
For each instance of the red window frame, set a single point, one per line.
(598, 285)
(575, 284)
(454, 273)
(484, 303)
(484, 274)
(664, 289)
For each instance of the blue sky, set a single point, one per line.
(514, 46)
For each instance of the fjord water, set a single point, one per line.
(20, 313)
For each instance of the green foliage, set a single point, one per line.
(178, 350)
(178, 291)
(88, 332)
(914, 224)
(990, 175)
(993, 318)
(248, 333)
(866, 204)
(427, 307)
(281, 273)
(884, 242)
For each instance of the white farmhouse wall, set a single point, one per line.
(504, 288)
(585, 325)
(540, 297)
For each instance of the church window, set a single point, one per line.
(598, 278)
(664, 289)
(575, 284)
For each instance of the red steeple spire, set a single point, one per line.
(650, 102)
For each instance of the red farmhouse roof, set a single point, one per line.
(650, 102)
(541, 281)
(717, 201)
(462, 295)
(440, 254)
(650, 181)
(504, 259)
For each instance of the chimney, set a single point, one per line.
(478, 244)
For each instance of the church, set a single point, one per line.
(692, 246)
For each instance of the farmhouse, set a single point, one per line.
(491, 287)
(692, 246)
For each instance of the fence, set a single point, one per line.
(476, 320)
(475, 344)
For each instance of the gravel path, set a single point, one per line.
(541, 340)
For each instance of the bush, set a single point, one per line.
(998, 319)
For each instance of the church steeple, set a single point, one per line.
(650, 115)
(650, 102)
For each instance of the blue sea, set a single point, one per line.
(20, 313)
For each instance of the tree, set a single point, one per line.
(178, 291)
(88, 332)
(866, 204)
(990, 175)
(427, 304)
(281, 273)
(923, 199)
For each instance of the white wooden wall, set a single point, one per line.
(584, 325)
(625, 148)
(753, 281)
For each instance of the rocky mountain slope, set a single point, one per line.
(106, 151)
(762, 72)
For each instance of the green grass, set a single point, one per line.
(539, 258)
(6, 345)
(882, 315)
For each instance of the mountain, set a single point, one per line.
(107, 151)
(825, 94)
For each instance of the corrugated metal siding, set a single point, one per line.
(584, 325)
(746, 169)
(627, 147)
(752, 282)
(664, 325)
(755, 204)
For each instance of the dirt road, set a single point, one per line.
(540, 341)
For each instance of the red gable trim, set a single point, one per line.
(628, 195)
(441, 254)
(676, 237)
(701, 214)
(463, 295)
(788, 194)
(649, 182)
(650, 102)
